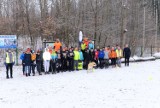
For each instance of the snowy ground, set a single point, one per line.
(137, 86)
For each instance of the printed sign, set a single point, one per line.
(8, 41)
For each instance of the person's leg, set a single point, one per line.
(112, 62)
(99, 62)
(33, 69)
(11, 70)
(48, 65)
(63, 67)
(39, 68)
(45, 66)
(115, 61)
(107, 63)
(72, 64)
(125, 61)
(54, 67)
(23, 68)
(76, 64)
(119, 62)
(7, 68)
(27, 69)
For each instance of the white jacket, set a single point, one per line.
(46, 56)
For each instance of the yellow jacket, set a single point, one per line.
(8, 60)
(119, 53)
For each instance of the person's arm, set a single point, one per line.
(124, 52)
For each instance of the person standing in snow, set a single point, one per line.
(27, 62)
(33, 65)
(113, 57)
(96, 53)
(76, 58)
(70, 57)
(106, 57)
(22, 58)
(38, 62)
(119, 55)
(53, 61)
(87, 59)
(91, 54)
(46, 58)
(126, 54)
(64, 60)
(101, 58)
(9, 62)
(59, 63)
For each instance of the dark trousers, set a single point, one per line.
(23, 68)
(101, 63)
(71, 64)
(113, 61)
(58, 65)
(106, 63)
(38, 67)
(127, 61)
(9, 66)
(96, 61)
(53, 66)
(33, 68)
(86, 62)
(64, 64)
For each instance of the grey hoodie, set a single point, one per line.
(106, 55)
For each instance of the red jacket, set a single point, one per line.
(96, 55)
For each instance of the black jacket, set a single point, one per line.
(87, 56)
(126, 52)
(70, 55)
(38, 58)
(27, 59)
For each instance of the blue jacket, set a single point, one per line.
(101, 54)
(90, 46)
(22, 56)
(81, 55)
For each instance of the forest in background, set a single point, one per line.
(108, 22)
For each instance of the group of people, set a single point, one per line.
(61, 59)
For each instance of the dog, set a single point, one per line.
(91, 66)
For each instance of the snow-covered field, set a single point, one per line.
(137, 86)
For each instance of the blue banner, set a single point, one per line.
(8, 41)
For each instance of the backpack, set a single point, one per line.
(33, 57)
